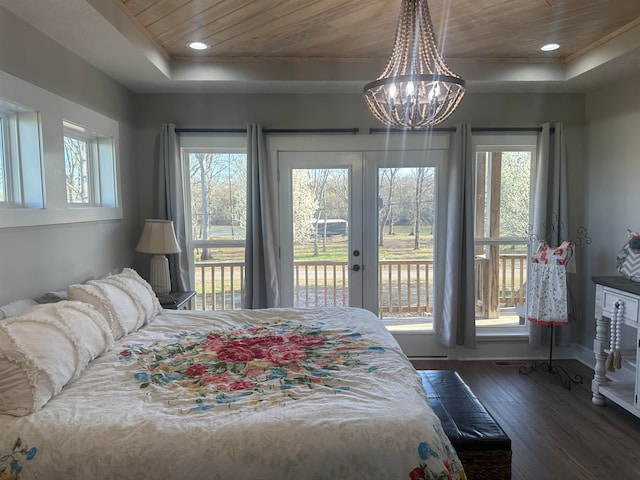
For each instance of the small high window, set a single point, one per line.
(20, 158)
(89, 167)
(78, 169)
(58, 159)
(3, 168)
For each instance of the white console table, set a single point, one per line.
(622, 387)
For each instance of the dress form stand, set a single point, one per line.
(565, 378)
(547, 302)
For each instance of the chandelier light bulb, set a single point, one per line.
(410, 88)
(434, 92)
(393, 91)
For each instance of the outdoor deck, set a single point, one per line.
(405, 289)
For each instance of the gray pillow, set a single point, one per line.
(16, 308)
(53, 297)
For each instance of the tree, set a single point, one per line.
(514, 198)
(75, 161)
(238, 190)
(319, 182)
(304, 206)
(419, 175)
(218, 192)
(387, 183)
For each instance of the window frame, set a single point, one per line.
(92, 197)
(38, 168)
(214, 143)
(6, 183)
(507, 142)
(100, 167)
(214, 150)
(21, 156)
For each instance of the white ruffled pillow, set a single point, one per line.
(44, 349)
(126, 300)
(142, 291)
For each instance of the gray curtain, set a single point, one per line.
(261, 277)
(550, 211)
(457, 299)
(170, 203)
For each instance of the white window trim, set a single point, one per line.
(506, 142)
(5, 160)
(209, 142)
(53, 110)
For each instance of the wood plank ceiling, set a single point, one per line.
(361, 30)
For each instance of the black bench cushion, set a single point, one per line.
(467, 423)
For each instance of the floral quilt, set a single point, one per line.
(266, 394)
(256, 363)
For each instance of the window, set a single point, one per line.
(3, 168)
(89, 167)
(217, 178)
(502, 219)
(20, 159)
(39, 133)
(77, 169)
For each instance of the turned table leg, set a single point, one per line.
(599, 345)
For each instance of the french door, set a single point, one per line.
(321, 229)
(358, 227)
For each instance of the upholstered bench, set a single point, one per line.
(483, 447)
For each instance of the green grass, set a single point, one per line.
(399, 246)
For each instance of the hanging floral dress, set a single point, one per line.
(547, 291)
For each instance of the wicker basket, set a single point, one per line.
(486, 465)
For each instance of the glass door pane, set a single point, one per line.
(320, 206)
(406, 232)
(320, 203)
(503, 206)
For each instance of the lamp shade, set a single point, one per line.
(158, 237)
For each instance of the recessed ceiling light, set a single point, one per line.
(550, 47)
(197, 45)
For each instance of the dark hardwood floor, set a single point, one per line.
(555, 433)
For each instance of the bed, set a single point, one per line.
(261, 394)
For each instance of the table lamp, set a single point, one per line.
(159, 238)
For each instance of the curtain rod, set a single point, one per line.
(402, 130)
(509, 129)
(453, 129)
(354, 131)
(269, 130)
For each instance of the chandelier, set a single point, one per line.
(416, 88)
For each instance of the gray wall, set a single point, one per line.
(613, 182)
(34, 260)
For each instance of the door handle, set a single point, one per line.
(355, 268)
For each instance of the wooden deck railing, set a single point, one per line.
(219, 285)
(404, 286)
(502, 288)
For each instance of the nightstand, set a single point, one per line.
(176, 300)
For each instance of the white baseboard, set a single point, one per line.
(517, 350)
